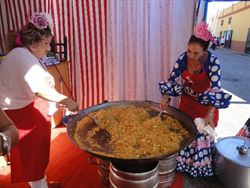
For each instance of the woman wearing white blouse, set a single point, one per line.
(24, 79)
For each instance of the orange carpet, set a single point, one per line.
(70, 166)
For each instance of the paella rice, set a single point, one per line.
(134, 133)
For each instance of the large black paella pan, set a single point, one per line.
(102, 138)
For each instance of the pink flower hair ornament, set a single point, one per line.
(42, 20)
(201, 31)
(18, 40)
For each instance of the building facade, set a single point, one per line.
(234, 24)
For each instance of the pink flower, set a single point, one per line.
(201, 31)
(41, 20)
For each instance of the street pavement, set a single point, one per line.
(235, 70)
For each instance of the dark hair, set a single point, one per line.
(33, 34)
(29, 34)
(202, 43)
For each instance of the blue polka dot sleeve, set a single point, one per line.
(214, 96)
(171, 87)
(214, 74)
(218, 99)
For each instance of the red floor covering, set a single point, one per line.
(70, 166)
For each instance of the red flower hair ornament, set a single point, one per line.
(201, 31)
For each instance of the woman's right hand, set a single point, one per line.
(70, 104)
(165, 99)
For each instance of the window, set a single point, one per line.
(221, 23)
(229, 20)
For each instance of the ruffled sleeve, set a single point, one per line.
(171, 87)
(214, 96)
(218, 99)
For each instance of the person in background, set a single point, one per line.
(8, 134)
(222, 42)
(213, 44)
(26, 86)
(200, 97)
(218, 41)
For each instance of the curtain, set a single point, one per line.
(144, 38)
(87, 38)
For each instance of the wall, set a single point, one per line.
(240, 15)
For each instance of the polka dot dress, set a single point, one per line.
(196, 159)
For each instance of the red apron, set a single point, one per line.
(188, 103)
(30, 156)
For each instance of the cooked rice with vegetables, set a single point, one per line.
(134, 133)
